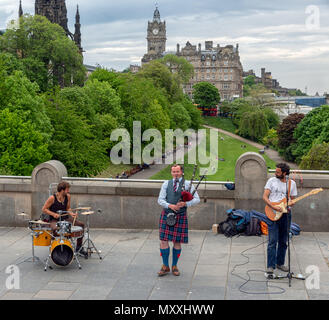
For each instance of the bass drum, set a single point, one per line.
(62, 252)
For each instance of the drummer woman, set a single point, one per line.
(61, 201)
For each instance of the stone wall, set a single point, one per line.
(131, 204)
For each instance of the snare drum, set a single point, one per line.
(76, 232)
(63, 228)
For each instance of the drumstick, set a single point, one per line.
(74, 220)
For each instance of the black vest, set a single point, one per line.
(56, 206)
(174, 197)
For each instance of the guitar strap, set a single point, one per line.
(289, 187)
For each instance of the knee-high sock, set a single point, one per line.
(165, 256)
(175, 256)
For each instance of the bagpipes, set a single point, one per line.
(186, 195)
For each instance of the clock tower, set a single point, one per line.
(156, 38)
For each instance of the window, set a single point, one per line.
(225, 63)
(225, 78)
(225, 70)
(208, 70)
(208, 63)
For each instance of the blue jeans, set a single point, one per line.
(277, 241)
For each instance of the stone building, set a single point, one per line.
(55, 11)
(218, 65)
(267, 80)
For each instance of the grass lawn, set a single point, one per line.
(220, 123)
(229, 149)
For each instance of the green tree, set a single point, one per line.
(49, 57)
(163, 79)
(81, 102)
(73, 141)
(179, 66)
(254, 125)
(271, 138)
(137, 94)
(310, 129)
(19, 94)
(206, 94)
(104, 75)
(104, 99)
(286, 138)
(180, 117)
(193, 112)
(317, 158)
(238, 108)
(248, 83)
(272, 118)
(22, 147)
(296, 92)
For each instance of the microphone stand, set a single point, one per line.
(290, 274)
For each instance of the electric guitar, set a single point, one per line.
(276, 215)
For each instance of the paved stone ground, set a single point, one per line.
(212, 268)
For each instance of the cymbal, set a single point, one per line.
(82, 208)
(87, 213)
(38, 222)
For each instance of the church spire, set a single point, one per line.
(20, 10)
(77, 33)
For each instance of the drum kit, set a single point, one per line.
(62, 242)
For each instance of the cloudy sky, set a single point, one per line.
(289, 38)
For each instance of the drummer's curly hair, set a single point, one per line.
(62, 186)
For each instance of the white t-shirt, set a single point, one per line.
(279, 189)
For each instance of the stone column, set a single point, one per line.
(250, 179)
(42, 176)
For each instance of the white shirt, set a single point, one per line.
(279, 189)
(163, 194)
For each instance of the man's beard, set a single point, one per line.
(280, 177)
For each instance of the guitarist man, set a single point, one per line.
(275, 191)
(170, 198)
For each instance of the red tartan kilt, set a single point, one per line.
(177, 233)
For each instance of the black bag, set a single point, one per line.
(232, 226)
(253, 228)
